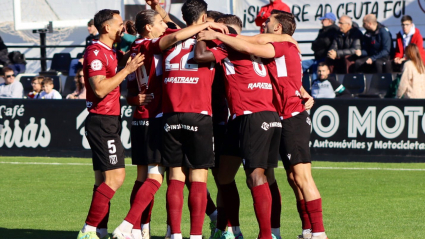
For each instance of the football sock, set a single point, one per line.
(104, 223)
(102, 232)
(176, 235)
(195, 236)
(175, 206)
(88, 228)
(316, 234)
(276, 232)
(143, 198)
(221, 218)
(211, 209)
(125, 226)
(136, 187)
(145, 226)
(262, 207)
(314, 210)
(302, 211)
(146, 215)
(306, 231)
(100, 205)
(137, 233)
(197, 207)
(231, 202)
(235, 230)
(276, 206)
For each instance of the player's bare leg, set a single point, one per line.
(257, 182)
(313, 202)
(305, 220)
(276, 202)
(229, 166)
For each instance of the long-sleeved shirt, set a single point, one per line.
(412, 83)
(14, 90)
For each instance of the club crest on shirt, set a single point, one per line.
(96, 65)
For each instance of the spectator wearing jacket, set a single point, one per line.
(376, 48)
(341, 55)
(322, 43)
(408, 34)
(266, 10)
(326, 86)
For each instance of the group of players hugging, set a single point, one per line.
(205, 97)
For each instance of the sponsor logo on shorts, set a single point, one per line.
(308, 120)
(168, 127)
(289, 156)
(182, 80)
(89, 104)
(96, 65)
(260, 85)
(113, 159)
(267, 126)
(140, 122)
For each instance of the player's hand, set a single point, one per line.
(133, 64)
(144, 99)
(309, 102)
(207, 35)
(218, 27)
(369, 61)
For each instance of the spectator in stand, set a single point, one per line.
(36, 87)
(11, 88)
(412, 83)
(48, 91)
(126, 40)
(376, 48)
(342, 52)
(4, 54)
(93, 36)
(80, 92)
(408, 34)
(266, 10)
(322, 43)
(327, 86)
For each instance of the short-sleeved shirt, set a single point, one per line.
(248, 85)
(328, 88)
(186, 83)
(286, 73)
(99, 59)
(147, 78)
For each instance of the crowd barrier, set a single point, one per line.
(383, 130)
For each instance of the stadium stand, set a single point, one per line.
(377, 85)
(73, 67)
(69, 86)
(306, 82)
(123, 88)
(355, 83)
(61, 62)
(25, 80)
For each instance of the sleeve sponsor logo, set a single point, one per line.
(96, 65)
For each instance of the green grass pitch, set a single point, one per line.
(39, 199)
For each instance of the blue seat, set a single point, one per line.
(355, 83)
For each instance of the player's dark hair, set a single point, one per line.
(287, 20)
(322, 64)
(171, 25)
(39, 79)
(102, 16)
(232, 30)
(192, 10)
(90, 23)
(143, 18)
(230, 19)
(47, 80)
(130, 27)
(214, 15)
(406, 18)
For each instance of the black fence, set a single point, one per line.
(371, 130)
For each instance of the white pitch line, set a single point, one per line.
(127, 165)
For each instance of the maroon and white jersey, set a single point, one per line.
(248, 85)
(147, 78)
(100, 59)
(286, 73)
(186, 83)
